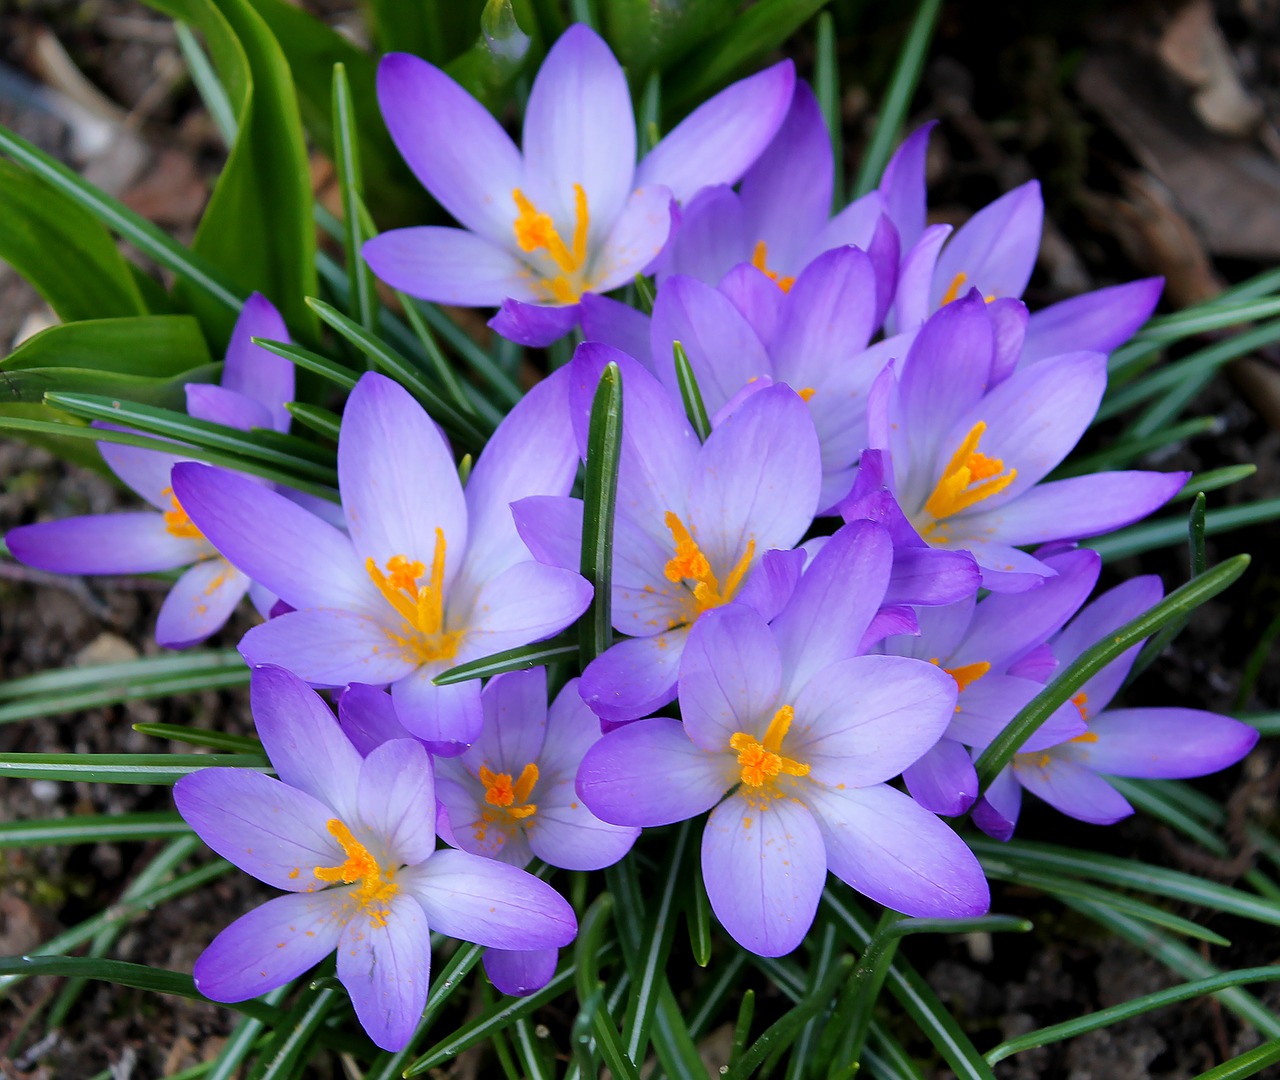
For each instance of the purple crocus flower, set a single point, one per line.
(352, 841)
(995, 650)
(780, 220)
(693, 524)
(1147, 743)
(965, 461)
(575, 213)
(429, 577)
(802, 732)
(255, 386)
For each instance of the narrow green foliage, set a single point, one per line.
(93, 829)
(690, 393)
(742, 1027)
(121, 768)
(1163, 532)
(645, 296)
(1213, 480)
(674, 1046)
(324, 422)
(826, 88)
(1121, 454)
(804, 1059)
(1179, 602)
(897, 98)
(698, 914)
(499, 381)
(1127, 1010)
(293, 1042)
(211, 91)
(600, 496)
(338, 374)
(520, 658)
(472, 405)
(346, 157)
(240, 1043)
(195, 736)
(1249, 1063)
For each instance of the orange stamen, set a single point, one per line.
(969, 477)
(421, 607)
(376, 886)
(512, 798)
(967, 674)
(536, 231)
(760, 260)
(762, 762)
(689, 564)
(176, 520)
(1080, 701)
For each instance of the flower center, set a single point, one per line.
(377, 886)
(953, 290)
(760, 260)
(177, 522)
(536, 231)
(420, 606)
(511, 797)
(690, 565)
(1081, 701)
(970, 477)
(966, 674)
(762, 762)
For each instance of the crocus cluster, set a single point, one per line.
(841, 563)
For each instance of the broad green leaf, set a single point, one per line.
(646, 36)
(497, 57)
(257, 227)
(68, 257)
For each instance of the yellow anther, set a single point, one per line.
(953, 290)
(1086, 737)
(807, 393)
(1080, 701)
(760, 260)
(176, 521)
(762, 762)
(377, 886)
(967, 674)
(536, 231)
(969, 478)
(689, 564)
(420, 606)
(511, 797)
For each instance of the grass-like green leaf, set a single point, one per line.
(323, 422)
(592, 1006)
(293, 1041)
(600, 495)
(472, 404)
(694, 407)
(1121, 454)
(92, 829)
(826, 88)
(196, 736)
(1069, 1029)
(1164, 532)
(897, 98)
(212, 93)
(1250, 1063)
(338, 374)
(1182, 600)
(248, 1033)
(123, 676)
(520, 658)
(122, 768)
(346, 156)
(95, 697)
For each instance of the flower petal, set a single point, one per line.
(1099, 321)
(200, 603)
(635, 240)
(252, 370)
(995, 249)
(764, 868)
(271, 945)
(270, 830)
(722, 137)
(520, 972)
(384, 963)
(551, 528)
(988, 704)
(147, 472)
(634, 676)
(996, 812)
(397, 802)
(446, 718)
(944, 781)
(368, 718)
(490, 903)
(327, 647)
(1163, 743)
(880, 842)
(537, 325)
(515, 722)
(449, 266)
(570, 836)
(229, 408)
(133, 543)
(903, 184)
(455, 148)
(526, 602)
(1071, 788)
(649, 773)
(617, 324)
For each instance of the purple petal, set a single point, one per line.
(466, 821)
(617, 324)
(569, 836)
(454, 146)
(883, 844)
(136, 543)
(1099, 321)
(1162, 743)
(303, 560)
(270, 830)
(996, 248)
(147, 472)
(856, 224)
(772, 582)
(252, 370)
(303, 740)
(764, 868)
(368, 717)
(832, 606)
(862, 721)
(396, 797)
(384, 963)
(533, 324)
(635, 240)
(915, 278)
(551, 528)
(1009, 320)
(388, 453)
(1071, 788)
(449, 266)
(446, 718)
(757, 297)
(930, 576)
(271, 945)
(996, 812)
(515, 723)
(730, 676)
(327, 647)
(650, 773)
(987, 705)
(711, 237)
(526, 602)
(633, 676)
(520, 973)
(723, 349)
(200, 603)
(1085, 505)
(490, 903)
(903, 184)
(786, 194)
(944, 781)
(579, 129)
(719, 140)
(230, 408)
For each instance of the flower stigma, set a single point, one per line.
(760, 260)
(511, 796)
(965, 675)
(953, 290)
(176, 520)
(420, 606)
(761, 761)
(536, 231)
(377, 886)
(969, 478)
(689, 564)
